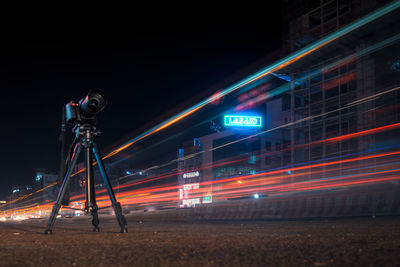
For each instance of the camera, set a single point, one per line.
(86, 108)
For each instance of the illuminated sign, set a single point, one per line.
(180, 193)
(38, 177)
(207, 199)
(243, 121)
(190, 202)
(191, 174)
(190, 186)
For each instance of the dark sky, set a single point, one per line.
(144, 70)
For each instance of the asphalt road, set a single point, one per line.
(154, 241)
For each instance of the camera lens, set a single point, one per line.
(94, 102)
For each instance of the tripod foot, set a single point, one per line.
(48, 232)
(123, 230)
(96, 229)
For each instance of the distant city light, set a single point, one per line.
(128, 173)
(38, 177)
(239, 182)
(256, 196)
(395, 66)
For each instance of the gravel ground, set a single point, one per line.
(155, 242)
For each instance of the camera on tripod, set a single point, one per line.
(82, 115)
(86, 108)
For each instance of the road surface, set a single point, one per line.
(157, 241)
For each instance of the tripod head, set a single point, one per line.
(82, 130)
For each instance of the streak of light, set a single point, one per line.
(295, 122)
(27, 195)
(335, 139)
(337, 81)
(274, 67)
(369, 98)
(160, 191)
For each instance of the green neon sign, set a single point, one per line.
(243, 121)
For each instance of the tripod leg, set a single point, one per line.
(116, 205)
(65, 200)
(90, 205)
(62, 191)
(95, 220)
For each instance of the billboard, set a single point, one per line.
(242, 121)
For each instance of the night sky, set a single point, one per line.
(144, 70)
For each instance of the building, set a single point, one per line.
(18, 191)
(190, 176)
(309, 20)
(207, 159)
(44, 179)
(315, 103)
(332, 82)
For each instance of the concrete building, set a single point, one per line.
(315, 105)
(207, 159)
(44, 179)
(329, 83)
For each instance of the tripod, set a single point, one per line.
(84, 135)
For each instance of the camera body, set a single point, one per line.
(85, 110)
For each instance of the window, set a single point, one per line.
(285, 102)
(351, 66)
(332, 92)
(299, 138)
(330, 110)
(343, 69)
(316, 93)
(352, 85)
(276, 161)
(316, 152)
(316, 133)
(268, 160)
(297, 101)
(301, 99)
(332, 148)
(316, 109)
(345, 128)
(329, 11)
(343, 88)
(343, 6)
(332, 130)
(278, 147)
(314, 20)
(316, 76)
(268, 146)
(329, 74)
(301, 155)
